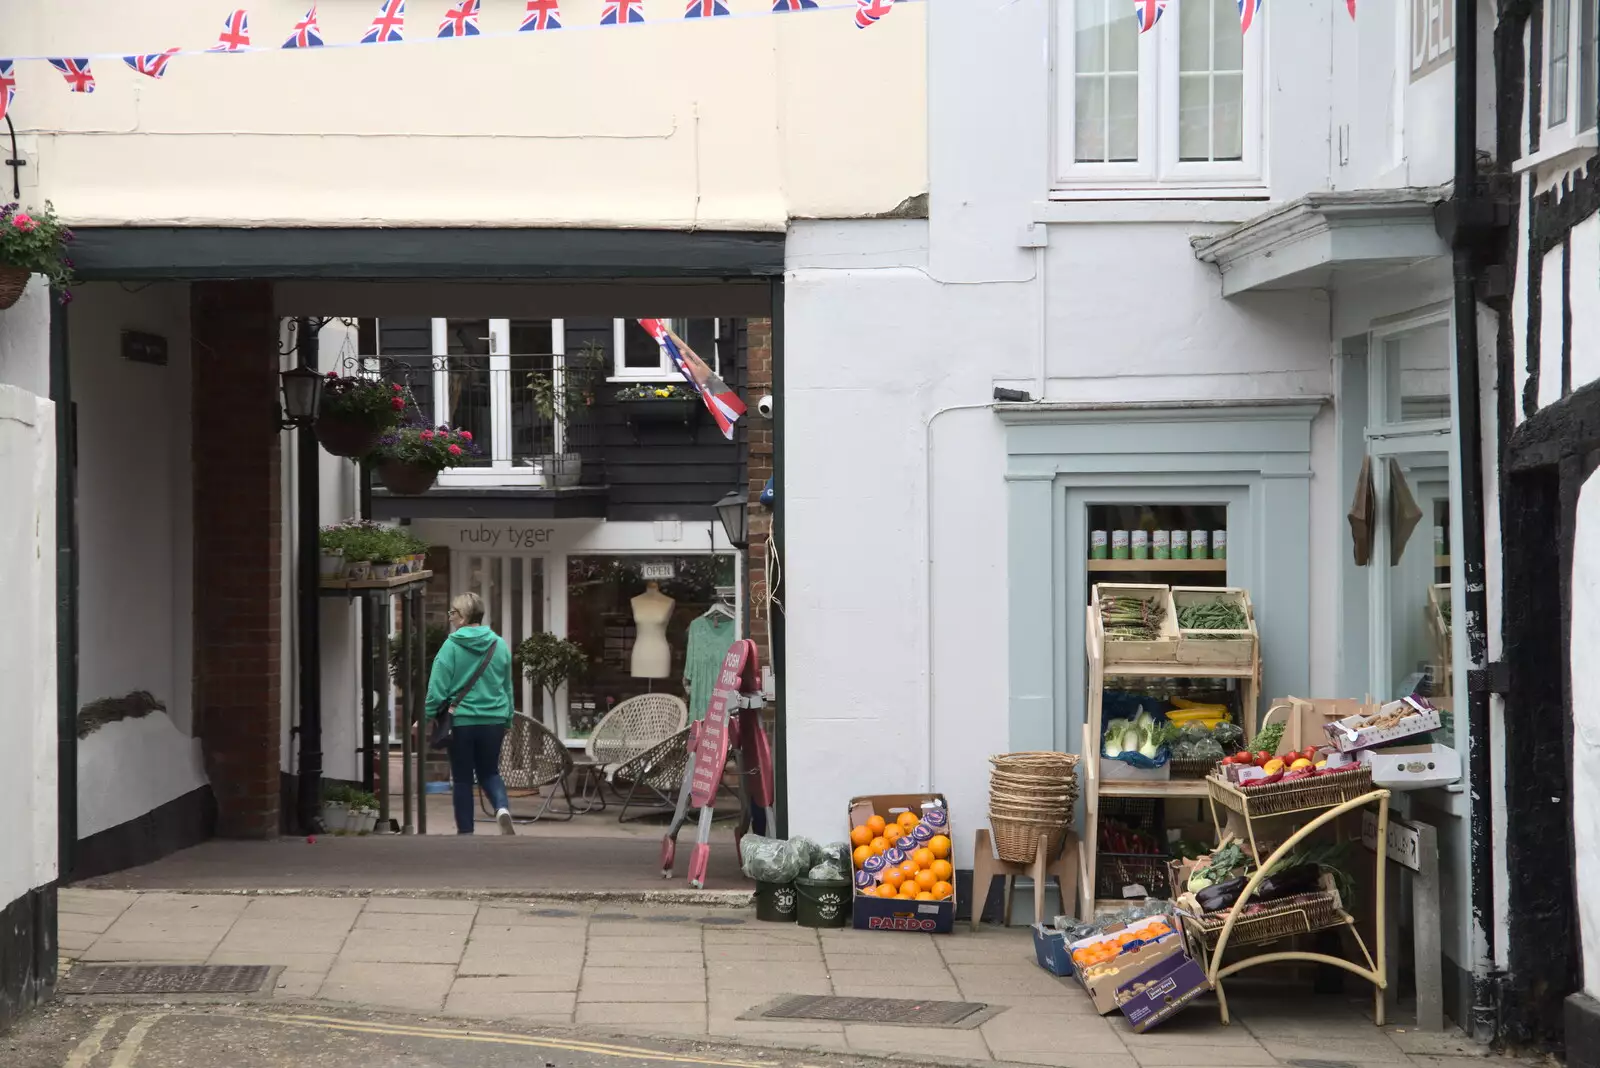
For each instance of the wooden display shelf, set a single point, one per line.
(394, 582)
(1195, 788)
(1158, 565)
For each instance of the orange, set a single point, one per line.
(922, 858)
(878, 846)
(940, 845)
(892, 877)
(924, 896)
(942, 890)
(925, 880)
(909, 869)
(875, 824)
(861, 854)
(908, 892)
(860, 835)
(907, 820)
(942, 869)
(885, 890)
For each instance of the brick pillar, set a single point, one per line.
(238, 526)
(758, 378)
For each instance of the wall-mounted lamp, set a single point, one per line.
(734, 511)
(302, 395)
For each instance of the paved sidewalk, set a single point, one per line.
(694, 971)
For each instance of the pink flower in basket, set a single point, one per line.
(23, 221)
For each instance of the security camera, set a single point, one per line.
(764, 406)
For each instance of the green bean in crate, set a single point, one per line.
(1220, 614)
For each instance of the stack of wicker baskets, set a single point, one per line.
(1031, 794)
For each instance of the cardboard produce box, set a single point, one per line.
(871, 913)
(1306, 719)
(1396, 720)
(1413, 767)
(1161, 991)
(1102, 980)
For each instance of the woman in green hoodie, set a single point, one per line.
(483, 708)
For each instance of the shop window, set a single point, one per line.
(639, 358)
(1157, 113)
(1417, 369)
(1571, 56)
(601, 619)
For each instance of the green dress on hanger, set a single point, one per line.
(710, 637)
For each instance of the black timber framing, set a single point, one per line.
(133, 253)
(1548, 459)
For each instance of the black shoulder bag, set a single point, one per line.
(444, 723)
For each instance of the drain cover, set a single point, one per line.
(896, 1011)
(137, 979)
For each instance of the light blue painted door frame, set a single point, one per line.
(1254, 459)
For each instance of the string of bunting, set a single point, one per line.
(1148, 12)
(388, 27)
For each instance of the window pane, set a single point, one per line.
(1418, 370)
(1106, 89)
(1560, 22)
(640, 352)
(530, 336)
(1418, 611)
(1194, 35)
(1194, 116)
(1227, 139)
(467, 337)
(1588, 57)
(1211, 85)
(467, 403)
(1227, 41)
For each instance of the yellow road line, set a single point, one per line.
(89, 1048)
(498, 1038)
(128, 1052)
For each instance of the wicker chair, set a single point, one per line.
(534, 759)
(658, 772)
(632, 729)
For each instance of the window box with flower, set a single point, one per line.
(354, 413)
(657, 405)
(33, 243)
(409, 458)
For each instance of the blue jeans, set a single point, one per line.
(475, 748)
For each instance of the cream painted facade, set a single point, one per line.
(738, 123)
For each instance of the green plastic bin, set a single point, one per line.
(775, 902)
(823, 902)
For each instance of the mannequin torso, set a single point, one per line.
(652, 656)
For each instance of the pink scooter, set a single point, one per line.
(735, 712)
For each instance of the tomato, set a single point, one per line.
(1261, 758)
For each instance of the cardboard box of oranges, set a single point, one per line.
(904, 863)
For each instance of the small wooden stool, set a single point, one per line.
(986, 866)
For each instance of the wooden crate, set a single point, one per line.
(1216, 648)
(1125, 651)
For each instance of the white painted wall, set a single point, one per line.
(28, 652)
(25, 341)
(725, 123)
(136, 559)
(1586, 726)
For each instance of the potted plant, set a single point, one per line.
(550, 662)
(558, 406)
(354, 413)
(656, 404)
(335, 807)
(410, 458)
(332, 568)
(33, 243)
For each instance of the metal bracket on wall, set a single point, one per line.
(1492, 678)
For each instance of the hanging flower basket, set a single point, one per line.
(354, 413)
(13, 280)
(407, 479)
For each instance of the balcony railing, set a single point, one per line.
(513, 407)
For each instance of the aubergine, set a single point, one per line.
(1300, 879)
(1221, 896)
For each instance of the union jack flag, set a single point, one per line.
(461, 20)
(79, 78)
(387, 23)
(151, 64)
(8, 85)
(617, 12)
(1248, 10)
(1149, 12)
(542, 15)
(1351, 4)
(793, 5)
(723, 403)
(307, 34)
(705, 9)
(235, 35)
(868, 12)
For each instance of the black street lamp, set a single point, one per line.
(734, 511)
(302, 396)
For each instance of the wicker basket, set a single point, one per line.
(1192, 769)
(1016, 840)
(13, 280)
(1321, 791)
(1271, 921)
(407, 479)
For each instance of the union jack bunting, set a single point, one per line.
(1149, 12)
(235, 35)
(617, 12)
(793, 5)
(387, 24)
(542, 15)
(1248, 10)
(8, 85)
(461, 20)
(79, 78)
(723, 403)
(705, 9)
(1351, 4)
(151, 64)
(868, 12)
(307, 34)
